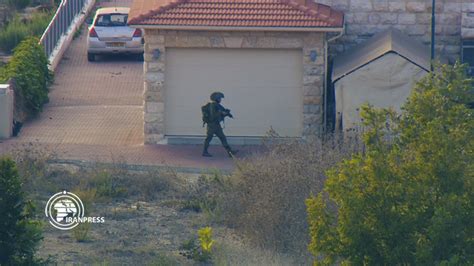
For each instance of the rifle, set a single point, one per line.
(227, 113)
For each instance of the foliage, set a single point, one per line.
(20, 234)
(107, 184)
(12, 34)
(87, 196)
(205, 239)
(81, 232)
(206, 195)
(409, 198)
(202, 252)
(29, 69)
(190, 250)
(19, 29)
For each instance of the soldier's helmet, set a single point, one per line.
(216, 96)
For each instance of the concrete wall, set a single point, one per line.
(364, 18)
(157, 41)
(6, 111)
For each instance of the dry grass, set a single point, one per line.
(265, 198)
(96, 183)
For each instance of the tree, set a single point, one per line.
(19, 233)
(409, 198)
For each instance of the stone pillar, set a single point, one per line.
(154, 106)
(313, 83)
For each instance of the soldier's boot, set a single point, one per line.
(205, 153)
(231, 152)
(207, 141)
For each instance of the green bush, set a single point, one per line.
(39, 22)
(12, 34)
(409, 198)
(19, 233)
(29, 69)
(18, 29)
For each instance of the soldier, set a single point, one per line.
(213, 113)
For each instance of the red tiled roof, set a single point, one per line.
(235, 13)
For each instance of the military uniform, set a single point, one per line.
(217, 114)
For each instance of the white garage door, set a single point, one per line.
(263, 88)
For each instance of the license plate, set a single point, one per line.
(115, 44)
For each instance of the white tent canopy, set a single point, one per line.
(380, 72)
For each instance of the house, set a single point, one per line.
(269, 58)
(381, 71)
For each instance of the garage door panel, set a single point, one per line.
(254, 78)
(262, 87)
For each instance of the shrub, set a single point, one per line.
(201, 252)
(29, 69)
(81, 232)
(408, 200)
(153, 184)
(19, 29)
(103, 184)
(19, 233)
(206, 242)
(265, 197)
(12, 34)
(206, 195)
(39, 22)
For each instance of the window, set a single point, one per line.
(111, 20)
(467, 55)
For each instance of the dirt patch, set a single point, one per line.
(133, 232)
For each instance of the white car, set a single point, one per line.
(110, 34)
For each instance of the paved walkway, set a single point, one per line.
(95, 114)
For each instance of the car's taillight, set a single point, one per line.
(93, 33)
(137, 33)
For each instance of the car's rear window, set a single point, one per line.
(111, 20)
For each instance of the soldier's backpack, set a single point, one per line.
(206, 113)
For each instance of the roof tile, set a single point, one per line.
(235, 13)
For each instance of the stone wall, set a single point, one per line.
(364, 18)
(468, 20)
(157, 41)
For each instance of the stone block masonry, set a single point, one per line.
(364, 18)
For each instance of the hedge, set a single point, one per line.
(29, 70)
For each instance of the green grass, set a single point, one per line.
(18, 29)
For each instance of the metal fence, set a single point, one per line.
(59, 25)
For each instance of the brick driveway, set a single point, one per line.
(95, 113)
(96, 103)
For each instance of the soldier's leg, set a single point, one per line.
(207, 141)
(220, 134)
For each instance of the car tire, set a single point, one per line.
(90, 57)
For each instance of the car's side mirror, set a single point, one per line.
(88, 21)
